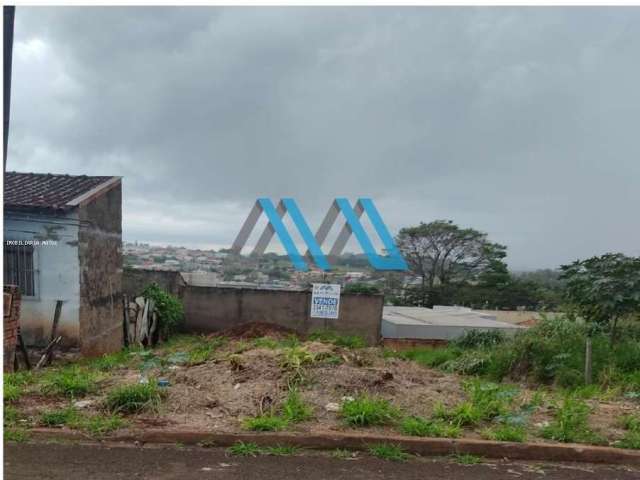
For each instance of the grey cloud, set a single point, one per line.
(521, 122)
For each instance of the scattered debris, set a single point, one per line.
(83, 403)
(332, 407)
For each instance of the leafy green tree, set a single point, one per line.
(604, 289)
(443, 254)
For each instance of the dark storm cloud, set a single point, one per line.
(520, 122)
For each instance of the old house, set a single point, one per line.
(63, 241)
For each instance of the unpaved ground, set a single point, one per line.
(241, 380)
(101, 462)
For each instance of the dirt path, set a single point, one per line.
(100, 462)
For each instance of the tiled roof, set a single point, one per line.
(46, 190)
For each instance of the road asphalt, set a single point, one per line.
(66, 461)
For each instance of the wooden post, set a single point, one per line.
(587, 362)
(125, 321)
(23, 349)
(54, 331)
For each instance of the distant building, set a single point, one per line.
(63, 241)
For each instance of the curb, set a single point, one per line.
(330, 441)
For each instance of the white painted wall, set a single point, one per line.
(57, 274)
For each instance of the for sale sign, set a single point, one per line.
(325, 300)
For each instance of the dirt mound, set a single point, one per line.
(252, 330)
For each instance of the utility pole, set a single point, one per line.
(9, 14)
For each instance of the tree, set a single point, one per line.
(603, 289)
(441, 253)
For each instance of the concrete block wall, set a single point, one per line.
(211, 309)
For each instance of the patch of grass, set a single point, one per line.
(201, 354)
(630, 440)
(467, 459)
(266, 342)
(570, 422)
(72, 381)
(265, 423)
(506, 433)
(111, 361)
(134, 398)
(630, 422)
(11, 393)
(420, 427)
(293, 360)
(364, 411)
(294, 409)
(331, 336)
(59, 417)
(11, 415)
(427, 356)
(101, 424)
(388, 451)
(15, 435)
(486, 401)
(243, 449)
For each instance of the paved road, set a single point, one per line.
(55, 461)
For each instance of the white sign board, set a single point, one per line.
(325, 300)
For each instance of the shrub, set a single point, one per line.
(364, 411)
(169, 309)
(265, 423)
(361, 288)
(420, 427)
(135, 398)
(70, 381)
(388, 451)
(294, 409)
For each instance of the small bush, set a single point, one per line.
(388, 451)
(294, 409)
(420, 427)
(169, 309)
(265, 423)
(70, 381)
(364, 411)
(506, 433)
(11, 393)
(361, 288)
(630, 440)
(570, 422)
(135, 398)
(630, 422)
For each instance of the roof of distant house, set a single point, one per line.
(47, 191)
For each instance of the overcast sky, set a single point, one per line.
(523, 123)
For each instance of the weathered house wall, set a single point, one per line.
(57, 268)
(100, 258)
(210, 309)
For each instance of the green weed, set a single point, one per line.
(59, 417)
(388, 451)
(134, 398)
(280, 450)
(506, 433)
(330, 336)
(265, 423)
(364, 411)
(294, 409)
(71, 381)
(15, 435)
(420, 427)
(243, 449)
(467, 459)
(570, 422)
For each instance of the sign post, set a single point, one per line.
(325, 300)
